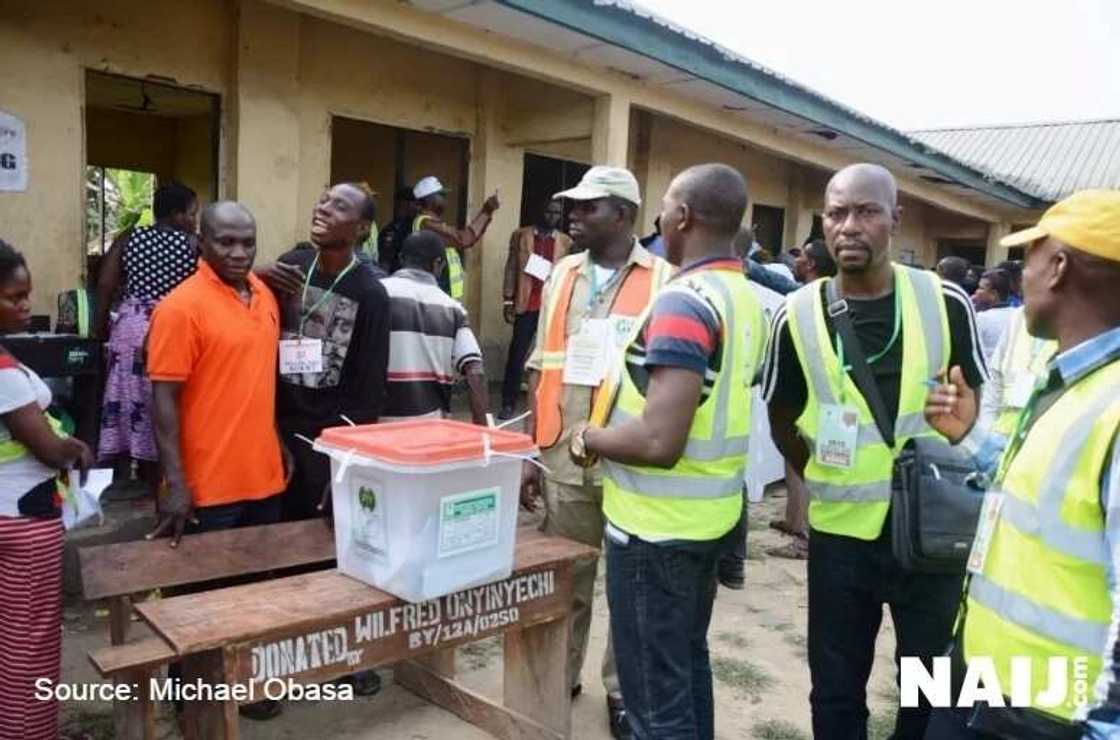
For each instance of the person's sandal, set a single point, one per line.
(617, 720)
(798, 549)
(782, 526)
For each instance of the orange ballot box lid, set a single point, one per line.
(426, 441)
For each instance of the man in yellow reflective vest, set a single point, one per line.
(910, 326)
(1041, 616)
(431, 198)
(674, 452)
(589, 305)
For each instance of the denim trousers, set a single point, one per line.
(849, 582)
(660, 597)
(520, 343)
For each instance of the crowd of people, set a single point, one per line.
(639, 364)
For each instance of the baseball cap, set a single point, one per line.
(603, 182)
(1088, 220)
(429, 185)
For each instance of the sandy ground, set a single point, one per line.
(757, 644)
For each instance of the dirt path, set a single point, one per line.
(758, 652)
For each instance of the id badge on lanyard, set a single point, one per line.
(837, 436)
(301, 355)
(589, 352)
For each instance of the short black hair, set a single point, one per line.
(10, 261)
(421, 249)
(716, 194)
(1013, 269)
(369, 206)
(953, 269)
(1000, 282)
(817, 253)
(171, 198)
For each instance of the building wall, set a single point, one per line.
(45, 47)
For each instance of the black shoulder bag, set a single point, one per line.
(934, 508)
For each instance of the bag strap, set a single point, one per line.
(861, 372)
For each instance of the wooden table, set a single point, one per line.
(319, 626)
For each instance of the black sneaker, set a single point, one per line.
(365, 683)
(732, 572)
(617, 719)
(261, 710)
(507, 412)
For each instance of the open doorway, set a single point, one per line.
(388, 158)
(973, 251)
(139, 133)
(543, 177)
(769, 224)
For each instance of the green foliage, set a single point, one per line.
(742, 675)
(123, 197)
(777, 729)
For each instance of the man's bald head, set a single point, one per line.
(716, 196)
(224, 213)
(866, 176)
(861, 215)
(228, 240)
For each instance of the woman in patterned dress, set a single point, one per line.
(146, 263)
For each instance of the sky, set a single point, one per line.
(930, 63)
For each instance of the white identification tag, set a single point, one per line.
(586, 360)
(989, 515)
(838, 436)
(621, 329)
(301, 356)
(538, 267)
(1021, 390)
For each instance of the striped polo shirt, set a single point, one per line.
(430, 344)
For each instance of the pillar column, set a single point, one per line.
(994, 254)
(610, 132)
(264, 118)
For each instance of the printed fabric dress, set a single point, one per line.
(155, 261)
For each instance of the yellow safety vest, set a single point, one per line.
(699, 498)
(11, 449)
(854, 501)
(455, 280)
(1024, 354)
(1042, 590)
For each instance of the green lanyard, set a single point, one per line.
(878, 355)
(305, 313)
(1021, 424)
(593, 297)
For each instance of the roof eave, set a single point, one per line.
(622, 28)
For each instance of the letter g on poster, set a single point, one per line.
(13, 154)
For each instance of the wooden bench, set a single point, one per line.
(315, 627)
(116, 572)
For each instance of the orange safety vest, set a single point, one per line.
(638, 288)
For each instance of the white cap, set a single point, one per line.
(429, 185)
(603, 182)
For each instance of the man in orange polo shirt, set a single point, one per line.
(212, 352)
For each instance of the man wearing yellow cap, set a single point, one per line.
(1039, 624)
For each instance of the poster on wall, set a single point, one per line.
(13, 154)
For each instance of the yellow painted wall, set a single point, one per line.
(45, 47)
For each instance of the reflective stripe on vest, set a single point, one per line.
(854, 502)
(638, 287)
(700, 497)
(1044, 590)
(455, 282)
(1024, 355)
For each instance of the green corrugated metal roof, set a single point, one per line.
(1048, 160)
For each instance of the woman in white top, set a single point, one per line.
(32, 454)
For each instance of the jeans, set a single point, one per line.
(238, 514)
(849, 581)
(660, 598)
(524, 332)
